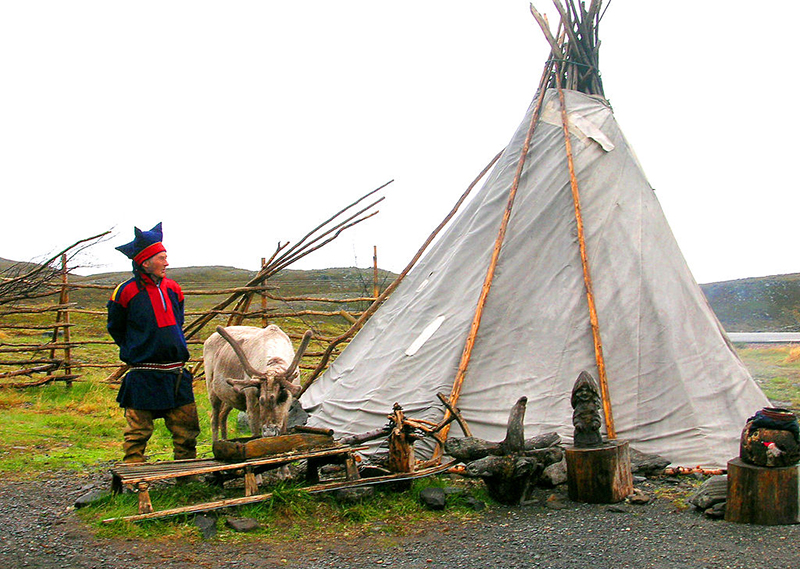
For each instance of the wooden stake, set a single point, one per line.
(487, 283)
(390, 289)
(264, 320)
(375, 289)
(587, 278)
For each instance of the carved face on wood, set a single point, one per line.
(586, 412)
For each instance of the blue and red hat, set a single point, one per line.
(145, 244)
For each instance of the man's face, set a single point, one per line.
(157, 265)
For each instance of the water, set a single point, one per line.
(765, 337)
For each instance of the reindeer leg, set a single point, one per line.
(216, 403)
(224, 411)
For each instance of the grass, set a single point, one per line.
(776, 369)
(290, 515)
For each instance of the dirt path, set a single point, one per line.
(39, 529)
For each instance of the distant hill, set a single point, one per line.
(758, 304)
(350, 280)
(761, 304)
(344, 282)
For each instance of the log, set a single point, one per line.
(600, 475)
(256, 447)
(467, 449)
(515, 431)
(401, 443)
(507, 478)
(762, 495)
(364, 437)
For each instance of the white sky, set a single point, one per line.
(241, 124)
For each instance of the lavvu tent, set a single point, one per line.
(674, 381)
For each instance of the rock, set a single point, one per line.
(647, 464)
(242, 424)
(242, 525)
(554, 475)
(453, 491)
(432, 498)
(555, 502)
(639, 497)
(207, 525)
(90, 497)
(716, 512)
(711, 492)
(616, 508)
(354, 495)
(297, 415)
(474, 504)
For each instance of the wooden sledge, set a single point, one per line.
(255, 498)
(139, 476)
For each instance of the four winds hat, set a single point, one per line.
(145, 244)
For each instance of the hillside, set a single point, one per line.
(758, 304)
(347, 282)
(762, 304)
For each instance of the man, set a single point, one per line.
(145, 319)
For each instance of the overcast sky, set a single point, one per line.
(241, 124)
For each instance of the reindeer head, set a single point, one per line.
(274, 385)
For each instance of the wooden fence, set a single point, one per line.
(42, 362)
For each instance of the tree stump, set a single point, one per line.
(762, 495)
(599, 475)
(510, 467)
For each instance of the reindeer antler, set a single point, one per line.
(237, 347)
(285, 380)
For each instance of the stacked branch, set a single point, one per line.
(22, 281)
(284, 255)
(576, 51)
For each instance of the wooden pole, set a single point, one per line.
(587, 278)
(487, 283)
(263, 299)
(385, 294)
(375, 290)
(65, 320)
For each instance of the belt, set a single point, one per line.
(173, 367)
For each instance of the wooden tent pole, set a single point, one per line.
(323, 362)
(587, 278)
(487, 283)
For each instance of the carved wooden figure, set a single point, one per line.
(586, 412)
(598, 472)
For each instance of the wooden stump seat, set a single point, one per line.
(762, 495)
(599, 475)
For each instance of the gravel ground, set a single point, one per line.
(39, 529)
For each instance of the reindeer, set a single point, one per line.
(254, 370)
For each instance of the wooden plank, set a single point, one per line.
(149, 472)
(316, 489)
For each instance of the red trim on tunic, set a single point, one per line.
(124, 296)
(163, 317)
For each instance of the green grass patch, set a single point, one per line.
(776, 369)
(291, 514)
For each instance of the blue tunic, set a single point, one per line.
(146, 320)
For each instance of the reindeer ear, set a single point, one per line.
(239, 384)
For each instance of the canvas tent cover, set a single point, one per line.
(677, 387)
